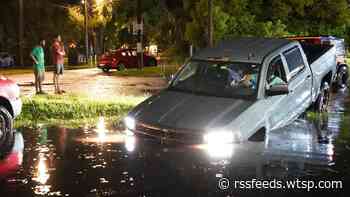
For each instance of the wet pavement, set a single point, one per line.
(58, 161)
(93, 83)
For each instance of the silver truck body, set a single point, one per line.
(194, 114)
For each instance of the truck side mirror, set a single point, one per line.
(279, 89)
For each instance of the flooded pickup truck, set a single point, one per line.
(238, 91)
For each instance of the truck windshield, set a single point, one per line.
(221, 79)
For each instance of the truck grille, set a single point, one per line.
(166, 134)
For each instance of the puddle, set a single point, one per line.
(57, 161)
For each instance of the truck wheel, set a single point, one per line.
(121, 66)
(6, 131)
(322, 101)
(106, 70)
(343, 76)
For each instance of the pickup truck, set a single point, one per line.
(10, 107)
(238, 91)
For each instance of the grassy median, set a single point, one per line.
(73, 110)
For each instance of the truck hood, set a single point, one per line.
(177, 110)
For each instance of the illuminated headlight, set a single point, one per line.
(129, 123)
(221, 137)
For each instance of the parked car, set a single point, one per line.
(6, 60)
(340, 48)
(122, 59)
(10, 107)
(238, 91)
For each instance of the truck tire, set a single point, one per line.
(321, 104)
(6, 132)
(121, 66)
(106, 70)
(342, 76)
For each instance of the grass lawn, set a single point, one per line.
(73, 110)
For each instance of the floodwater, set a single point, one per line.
(58, 161)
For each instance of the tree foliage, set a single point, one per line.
(176, 24)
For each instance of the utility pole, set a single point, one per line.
(86, 30)
(139, 35)
(210, 23)
(20, 60)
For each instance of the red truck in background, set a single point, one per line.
(10, 107)
(342, 74)
(122, 59)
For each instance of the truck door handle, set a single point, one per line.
(309, 76)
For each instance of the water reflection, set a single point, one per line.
(41, 173)
(101, 129)
(305, 141)
(14, 158)
(130, 143)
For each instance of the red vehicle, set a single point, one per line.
(122, 59)
(10, 107)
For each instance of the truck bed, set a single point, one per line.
(322, 61)
(314, 51)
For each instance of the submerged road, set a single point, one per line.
(57, 161)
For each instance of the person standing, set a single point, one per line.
(58, 54)
(38, 56)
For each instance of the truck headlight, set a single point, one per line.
(129, 123)
(221, 137)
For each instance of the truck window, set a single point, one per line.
(276, 73)
(220, 79)
(294, 60)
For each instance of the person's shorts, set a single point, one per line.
(59, 69)
(39, 75)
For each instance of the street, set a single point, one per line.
(93, 83)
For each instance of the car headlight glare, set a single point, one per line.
(221, 137)
(130, 123)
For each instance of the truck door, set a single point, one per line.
(276, 75)
(299, 81)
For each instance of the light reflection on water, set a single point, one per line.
(41, 172)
